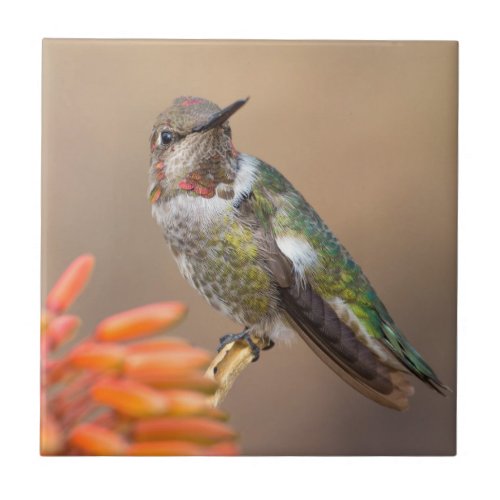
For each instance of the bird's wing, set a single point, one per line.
(326, 295)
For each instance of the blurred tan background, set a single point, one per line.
(366, 131)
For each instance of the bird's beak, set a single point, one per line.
(220, 117)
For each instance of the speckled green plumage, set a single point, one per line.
(225, 266)
(281, 208)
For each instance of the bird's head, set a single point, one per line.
(192, 124)
(191, 148)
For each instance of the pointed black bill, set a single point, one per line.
(221, 116)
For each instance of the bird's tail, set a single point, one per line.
(411, 359)
(338, 345)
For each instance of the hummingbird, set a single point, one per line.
(257, 251)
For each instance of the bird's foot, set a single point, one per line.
(270, 345)
(245, 336)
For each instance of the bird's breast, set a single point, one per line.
(218, 255)
(187, 221)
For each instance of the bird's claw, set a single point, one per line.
(269, 345)
(245, 336)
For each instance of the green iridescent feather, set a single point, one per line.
(283, 210)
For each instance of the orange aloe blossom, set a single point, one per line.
(116, 392)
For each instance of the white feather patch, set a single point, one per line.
(192, 209)
(281, 331)
(300, 252)
(247, 170)
(277, 328)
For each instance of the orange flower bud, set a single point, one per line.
(70, 284)
(216, 414)
(223, 449)
(60, 330)
(186, 403)
(140, 322)
(96, 440)
(57, 371)
(164, 448)
(130, 398)
(191, 381)
(51, 438)
(166, 363)
(198, 430)
(100, 357)
(167, 344)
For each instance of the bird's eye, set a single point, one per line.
(166, 137)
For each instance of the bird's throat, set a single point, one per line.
(207, 179)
